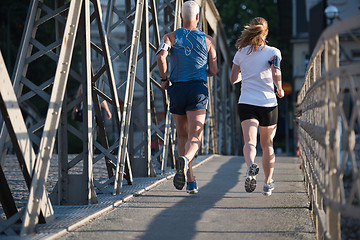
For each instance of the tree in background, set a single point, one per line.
(236, 14)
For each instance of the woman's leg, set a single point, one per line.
(267, 135)
(249, 128)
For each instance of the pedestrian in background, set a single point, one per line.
(78, 109)
(257, 65)
(192, 58)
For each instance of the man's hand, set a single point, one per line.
(165, 84)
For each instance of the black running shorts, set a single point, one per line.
(266, 116)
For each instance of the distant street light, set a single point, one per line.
(331, 12)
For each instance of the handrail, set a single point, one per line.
(328, 110)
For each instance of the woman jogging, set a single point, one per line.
(257, 65)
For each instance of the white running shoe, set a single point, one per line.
(267, 189)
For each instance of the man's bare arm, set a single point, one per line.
(161, 56)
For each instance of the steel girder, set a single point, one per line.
(144, 101)
(71, 188)
(17, 130)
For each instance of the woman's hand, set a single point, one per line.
(280, 93)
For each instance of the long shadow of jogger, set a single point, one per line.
(183, 223)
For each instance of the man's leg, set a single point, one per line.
(181, 124)
(189, 132)
(196, 120)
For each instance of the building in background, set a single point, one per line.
(309, 21)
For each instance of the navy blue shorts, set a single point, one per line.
(266, 116)
(188, 96)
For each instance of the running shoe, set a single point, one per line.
(253, 170)
(192, 188)
(180, 176)
(250, 181)
(267, 189)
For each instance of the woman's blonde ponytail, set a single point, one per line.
(253, 35)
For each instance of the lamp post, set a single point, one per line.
(331, 12)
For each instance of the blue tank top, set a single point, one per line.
(188, 56)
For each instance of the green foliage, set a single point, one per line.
(235, 14)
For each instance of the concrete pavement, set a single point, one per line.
(221, 210)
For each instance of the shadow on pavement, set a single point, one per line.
(190, 210)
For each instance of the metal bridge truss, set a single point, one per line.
(328, 107)
(142, 95)
(135, 126)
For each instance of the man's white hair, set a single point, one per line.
(189, 10)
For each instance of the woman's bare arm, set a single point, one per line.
(235, 75)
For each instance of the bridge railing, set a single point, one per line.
(328, 108)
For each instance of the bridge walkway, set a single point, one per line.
(221, 210)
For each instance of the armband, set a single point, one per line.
(163, 46)
(276, 62)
